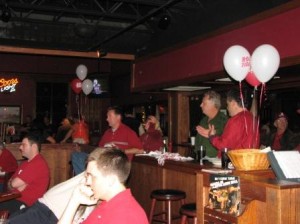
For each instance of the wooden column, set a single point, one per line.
(179, 117)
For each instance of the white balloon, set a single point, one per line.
(81, 72)
(265, 62)
(87, 86)
(236, 61)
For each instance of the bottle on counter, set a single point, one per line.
(165, 147)
(170, 146)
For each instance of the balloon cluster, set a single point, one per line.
(80, 83)
(256, 69)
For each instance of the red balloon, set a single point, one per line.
(76, 85)
(252, 80)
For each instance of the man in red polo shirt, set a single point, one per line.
(31, 179)
(119, 135)
(106, 175)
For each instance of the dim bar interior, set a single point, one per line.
(98, 54)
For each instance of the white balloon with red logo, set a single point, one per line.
(265, 62)
(236, 61)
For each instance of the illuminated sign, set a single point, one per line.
(8, 85)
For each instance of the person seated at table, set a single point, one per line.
(152, 139)
(42, 134)
(48, 127)
(79, 132)
(62, 130)
(8, 163)
(118, 135)
(106, 173)
(31, 178)
(49, 208)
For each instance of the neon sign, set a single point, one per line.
(8, 85)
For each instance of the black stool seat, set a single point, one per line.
(188, 211)
(168, 194)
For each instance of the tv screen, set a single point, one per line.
(101, 86)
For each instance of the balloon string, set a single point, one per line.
(243, 105)
(263, 86)
(256, 124)
(254, 116)
(85, 101)
(78, 104)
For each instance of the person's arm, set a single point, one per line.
(232, 134)
(202, 131)
(17, 183)
(134, 143)
(69, 212)
(81, 195)
(134, 151)
(67, 136)
(51, 139)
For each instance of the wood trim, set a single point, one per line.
(90, 54)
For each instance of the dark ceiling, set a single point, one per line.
(124, 26)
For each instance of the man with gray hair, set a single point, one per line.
(211, 104)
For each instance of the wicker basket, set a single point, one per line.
(249, 159)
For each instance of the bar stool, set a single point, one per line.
(188, 211)
(165, 195)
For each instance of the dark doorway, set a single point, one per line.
(51, 101)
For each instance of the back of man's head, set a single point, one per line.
(116, 109)
(235, 95)
(111, 161)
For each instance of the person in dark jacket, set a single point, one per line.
(280, 139)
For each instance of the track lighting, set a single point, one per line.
(6, 14)
(164, 22)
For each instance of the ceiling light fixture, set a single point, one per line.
(164, 22)
(6, 14)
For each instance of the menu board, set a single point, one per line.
(286, 164)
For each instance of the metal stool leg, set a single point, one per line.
(183, 219)
(195, 220)
(169, 213)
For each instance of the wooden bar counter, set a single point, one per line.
(267, 200)
(58, 157)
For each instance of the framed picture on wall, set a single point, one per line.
(10, 114)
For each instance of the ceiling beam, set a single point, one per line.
(76, 12)
(182, 5)
(166, 5)
(90, 54)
